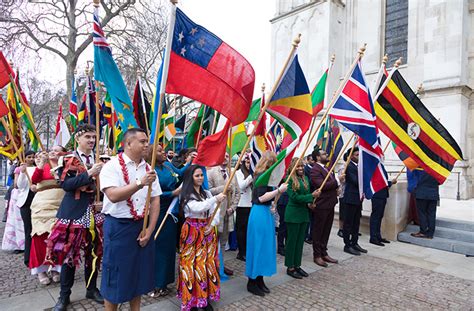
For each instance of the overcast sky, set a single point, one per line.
(243, 24)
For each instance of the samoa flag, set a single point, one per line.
(206, 69)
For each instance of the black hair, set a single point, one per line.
(63, 149)
(316, 152)
(309, 156)
(131, 132)
(346, 155)
(243, 168)
(29, 152)
(84, 128)
(188, 192)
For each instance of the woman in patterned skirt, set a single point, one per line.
(198, 279)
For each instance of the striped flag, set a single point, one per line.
(238, 138)
(259, 144)
(317, 97)
(141, 106)
(291, 106)
(62, 132)
(73, 105)
(354, 110)
(410, 125)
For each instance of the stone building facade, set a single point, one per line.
(434, 37)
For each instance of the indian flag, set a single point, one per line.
(291, 106)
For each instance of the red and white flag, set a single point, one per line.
(62, 132)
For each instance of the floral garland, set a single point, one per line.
(126, 178)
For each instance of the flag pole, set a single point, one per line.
(295, 44)
(395, 68)
(143, 101)
(97, 138)
(386, 146)
(399, 173)
(164, 79)
(88, 101)
(331, 64)
(112, 120)
(360, 53)
(174, 121)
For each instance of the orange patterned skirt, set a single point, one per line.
(198, 278)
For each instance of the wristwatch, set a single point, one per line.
(139, 183)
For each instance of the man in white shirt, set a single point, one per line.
(128, 261)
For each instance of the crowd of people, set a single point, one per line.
(65, 208)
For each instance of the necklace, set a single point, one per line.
(126, 178)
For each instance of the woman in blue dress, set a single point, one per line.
(261, 244)
(165, 244)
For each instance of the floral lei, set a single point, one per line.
(126, 178)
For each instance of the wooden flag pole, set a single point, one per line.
(164, 79)
(331, 64)
(97, 139)
(386, 146)
(112, 120)
(295, 44)
(360, 53)
(399, 173)
(350, 154)
(174, 121)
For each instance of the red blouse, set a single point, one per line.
(41, 174)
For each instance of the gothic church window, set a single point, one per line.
(396, 29)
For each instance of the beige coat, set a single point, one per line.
(216, 185)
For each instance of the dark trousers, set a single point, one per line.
(350, 230)
(68, 272)
(241, 222)
(25, 212)
(427, 216)
(309, 231)
(281, 236)
(378, 208)
(322, 223)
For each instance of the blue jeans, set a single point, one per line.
(378, 208)
(427, 215)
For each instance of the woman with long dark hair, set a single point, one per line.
(261, 245)
(198, 278)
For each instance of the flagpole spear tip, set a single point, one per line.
(420, 88)
(362, 49)
(333, 58)
(385, 59)
(174, 2)
(263, 87)
(96, 3)
(398, 62)
(297, 40)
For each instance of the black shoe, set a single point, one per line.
(209, 307)
(302, 272)
(281, 252)
(376, 242)
(339, 233)
(254, 289)
(262, 285)
(360, 249)
(360, 234)
(95, 295)
(294, 274)
(352, 251)
(309, 241)
(61, 304)
(384, 241)
(240, 257)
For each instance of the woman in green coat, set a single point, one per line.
(297, 218)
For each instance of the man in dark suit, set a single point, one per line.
(79, 224)
(307, 171)
(352, 207)
(427, 196)
(379, 200)
(323, 213)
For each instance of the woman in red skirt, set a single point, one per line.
(43, 214)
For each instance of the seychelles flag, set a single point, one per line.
(206, 69)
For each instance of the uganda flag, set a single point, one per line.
(408, 123)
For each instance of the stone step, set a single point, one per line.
(449, 245)
(455, 224)
(447, 233)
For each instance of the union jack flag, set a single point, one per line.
(98, 36)
(354, 110)
(274, 137)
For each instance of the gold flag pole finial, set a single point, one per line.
(174, 2)
(263, 87)
(297, 40)
(333, 58)
(96, 3)
(385, 59)
(362, 49)
(420, 89)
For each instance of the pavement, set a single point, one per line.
(397, 276)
